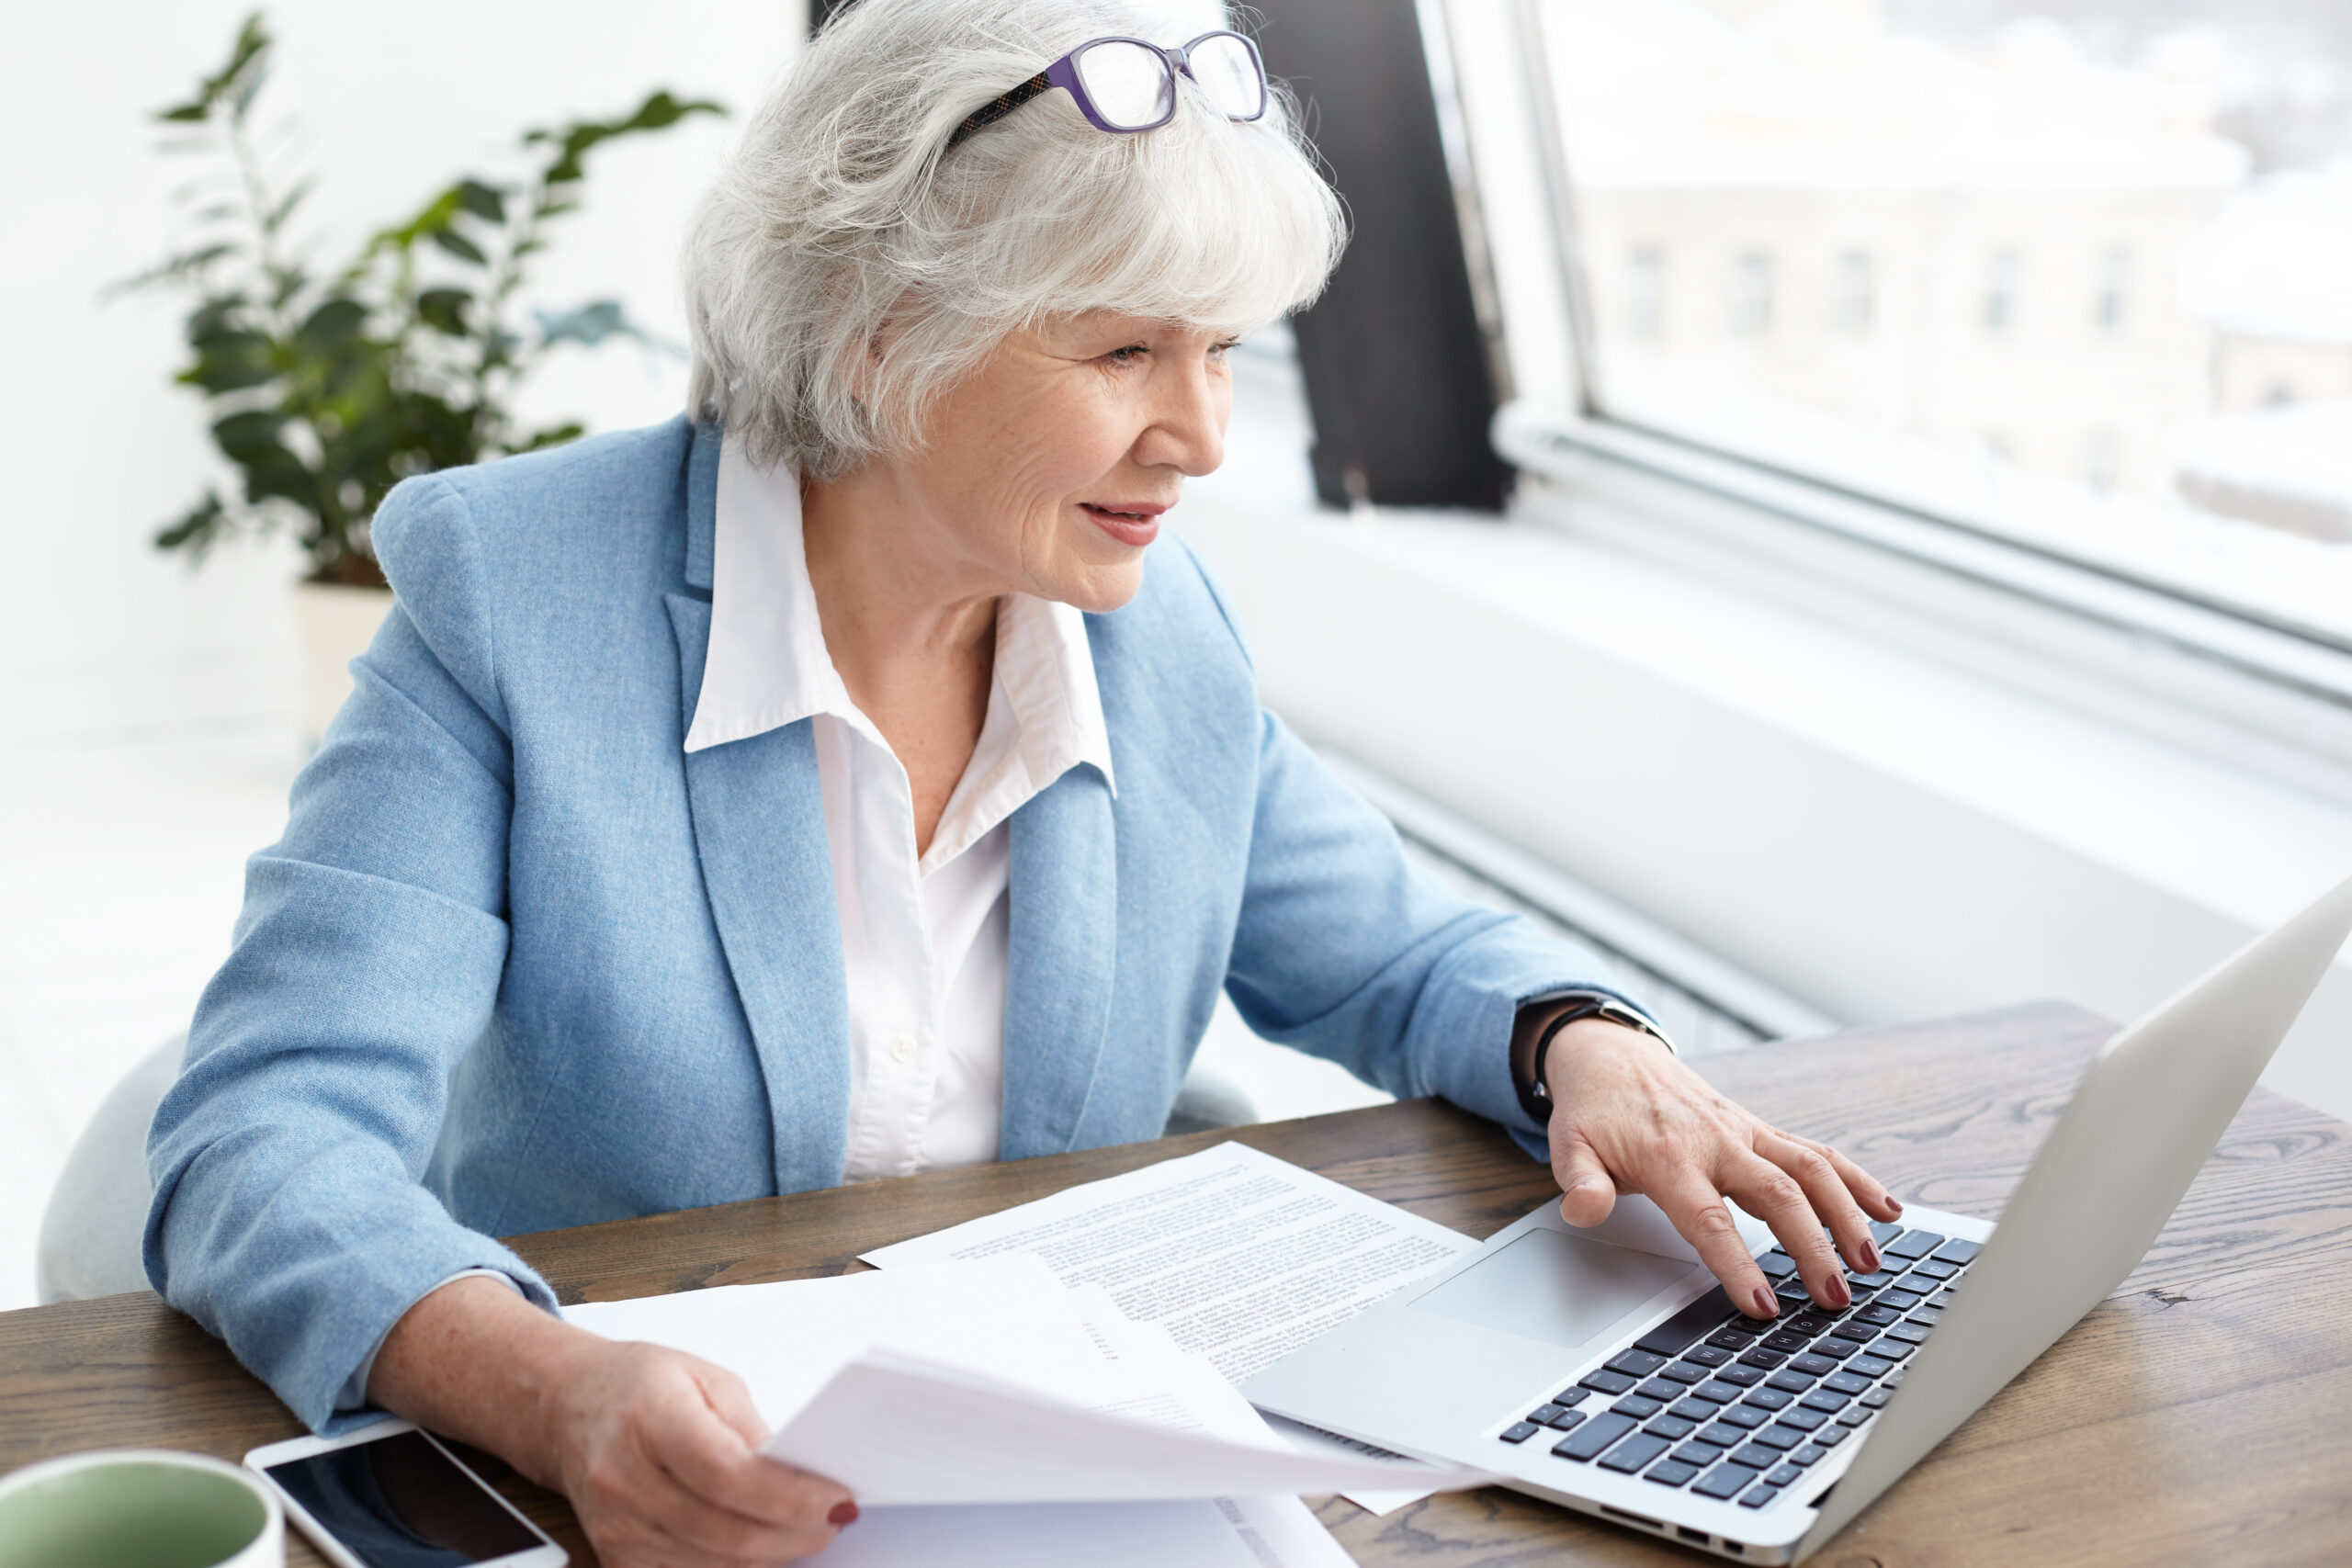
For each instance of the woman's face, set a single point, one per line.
(1048, 469)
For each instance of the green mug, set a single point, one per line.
(139, 1509)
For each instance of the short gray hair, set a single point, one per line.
(848, 267)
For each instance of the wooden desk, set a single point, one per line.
(2197, 1415)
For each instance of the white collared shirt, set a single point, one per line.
(925, 939)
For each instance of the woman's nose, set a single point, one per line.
(1187, 433)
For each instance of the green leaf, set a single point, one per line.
(240, 77)
(458, 245)
(332, 322)
(573, 142)
(250, 437)
(444, 310)
(230, 361)
(486, 202)
(554, 435)
(204, 523)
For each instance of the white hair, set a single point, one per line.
(849, 267)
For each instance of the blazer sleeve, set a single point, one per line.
(1346, 950)
(290, 1216)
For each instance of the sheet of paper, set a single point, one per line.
(1241, 1256)
(785, 1341)
(897, 1429)
(1221, 1533)
(1225, 1533)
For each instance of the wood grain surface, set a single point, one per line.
(2199, 1416)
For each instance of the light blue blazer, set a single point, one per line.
(522, 961)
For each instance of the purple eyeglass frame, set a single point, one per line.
(1063, 74)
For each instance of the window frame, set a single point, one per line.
(1551, 436)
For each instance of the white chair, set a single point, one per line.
(91, 1233)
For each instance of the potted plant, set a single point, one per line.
(325, 385)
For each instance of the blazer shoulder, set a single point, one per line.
(565, 497)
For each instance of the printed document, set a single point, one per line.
(1240, 1256)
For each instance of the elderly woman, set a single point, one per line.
(851, 781)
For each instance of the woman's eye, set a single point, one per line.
(1127, 356)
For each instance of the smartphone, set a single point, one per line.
(390, 1495)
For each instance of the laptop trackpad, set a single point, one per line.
(1554, 1287)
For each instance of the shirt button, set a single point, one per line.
(903, 1049)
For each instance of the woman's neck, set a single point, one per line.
(909, 627)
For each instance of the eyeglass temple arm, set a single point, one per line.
(998, 107)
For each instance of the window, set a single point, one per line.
(1854, 299)
(2067, 273)
(1645, 294)
(1750, 306)
(2000, 311)
(2114, 289)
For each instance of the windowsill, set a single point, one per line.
(1883, 832)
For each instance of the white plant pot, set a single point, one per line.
(336, 625)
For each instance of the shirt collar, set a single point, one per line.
(767, 666)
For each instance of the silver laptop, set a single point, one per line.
(1604, 1370)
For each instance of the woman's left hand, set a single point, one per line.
(1630, 1117)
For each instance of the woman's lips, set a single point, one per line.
(1133, 523)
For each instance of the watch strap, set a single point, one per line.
(1534, 1096)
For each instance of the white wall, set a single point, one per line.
(102, 639)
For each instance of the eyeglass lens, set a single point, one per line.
(1229, 76)
(1130, 84)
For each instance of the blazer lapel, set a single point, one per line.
(759, 831)
(1061, 964)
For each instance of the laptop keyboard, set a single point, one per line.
(1730, 1406)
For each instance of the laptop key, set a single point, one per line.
(1783, 1475)
(1927, 1317)
(1846, 1383)
(1673, 1428)
(1767, 1398)
(1788, 1380)
(1663, 1389)
(1899, 1299)
(1724, 1482)
(1520, 1431)
(1777, 1264)
(1934, 1269)
(1572, 1397)
(1804, 1420)
(1678, 1333)
(1854, 1416)
(1894, 1349)
(1813, 1366)
(1787, 1339)
(1698, 1454)
(1877, 1397)
(1706, 1356)
(1884, 1231)
(1860, 1333)
(1764, 1358)
(1791, 1291)
(1718, 1391)
(1830, 1436)
(1635, 1364)
(1723, 1434)
(1827, 1401)
(1878, 1315)
(1755, 1456)
(1758, 1496)
(1876, 1281)
(1639, 1408)
(1541, 1415)
(1812, 1453)
(1634, 1452)
(1913, 1244)
(1777, 1436)
(1593, 1436)
(1959, 1251)
(1742, 1415)
(1941, 1298)
(1673, 1472)
(1745, 1377)
(1682, 1373)
(1813, 1321)
(1606, 1381)
(1732, 1338)
(1909, 1333)
(1833, 1346)
(1692, 1410)
(1563, 1418)
(1869, 1367)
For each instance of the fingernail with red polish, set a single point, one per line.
(1894, 1202)
(844, 1513)
(1766, 1303)
(1838, 1294)
(1869, 1259)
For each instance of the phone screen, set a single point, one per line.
(399, 1502)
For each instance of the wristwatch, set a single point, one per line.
(1535, 1098)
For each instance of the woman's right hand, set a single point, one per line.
(658, 1451)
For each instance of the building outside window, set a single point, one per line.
(2116, 234)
